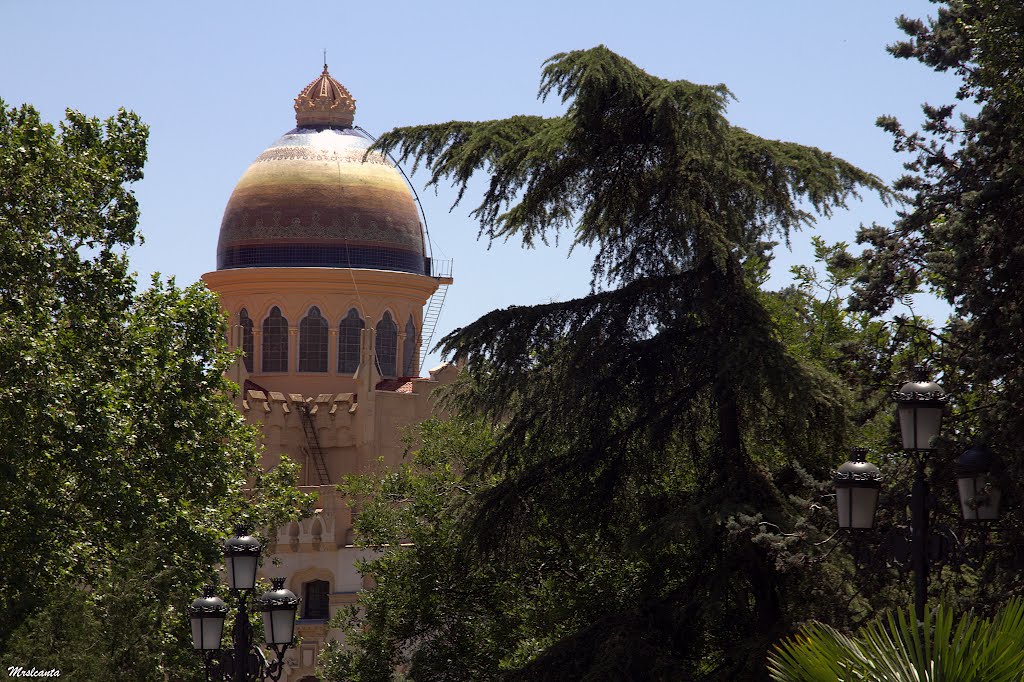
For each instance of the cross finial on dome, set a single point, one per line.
(325, 101)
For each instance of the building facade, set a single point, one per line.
(323, 269)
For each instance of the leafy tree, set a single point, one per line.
(122, 459)
(815, 324)
(962, 234)
(961, 237)
(648, 434)
(475, 612)
(897, 648)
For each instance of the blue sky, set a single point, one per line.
(215, 81)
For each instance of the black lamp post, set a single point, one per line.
(245, 661)
(920, 404)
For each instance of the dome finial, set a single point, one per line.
(325, 102)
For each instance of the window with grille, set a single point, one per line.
(245, 322)
(316, 599)
(313, 342)
(409, 350)
(275, 342)
(387, 346)
(349, 342)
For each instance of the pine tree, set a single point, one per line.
(645, 425)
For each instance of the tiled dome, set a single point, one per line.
(315, 199)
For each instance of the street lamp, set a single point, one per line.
(857, 484)
(979, 495)
(241, 557)
(920, 404)
(207, 615)
(245, 661)
(278, 606)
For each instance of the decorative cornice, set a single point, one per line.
(935, 397)
(208, 603)
(858, 476)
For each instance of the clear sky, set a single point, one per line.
(215, 81)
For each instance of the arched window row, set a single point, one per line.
(314, 341)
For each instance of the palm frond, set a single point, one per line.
(896, 648)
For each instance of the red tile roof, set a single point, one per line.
(399, 385)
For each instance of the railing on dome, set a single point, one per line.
(440, 268)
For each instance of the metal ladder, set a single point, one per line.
(441, 271)
(313, 446)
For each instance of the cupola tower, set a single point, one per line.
(323, 271)
(322, 237)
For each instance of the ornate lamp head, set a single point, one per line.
(857, 484)
(979, 493)
(920, 404)
(207, 616)
(241, 556)
(278, 606)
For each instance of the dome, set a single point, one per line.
(315, 199)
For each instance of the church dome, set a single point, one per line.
(315, 198)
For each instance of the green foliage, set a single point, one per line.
(642, 499)
(122, 458)
(961, 237)
(814, 322)
(410, 517)
(647, 170)
(898, 648)
(469, 620)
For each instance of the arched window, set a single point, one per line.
(275, 342)
(409, 350)
(316, 598)
(246, 324)
(349, 341)
(387, 346)
(313, 342)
